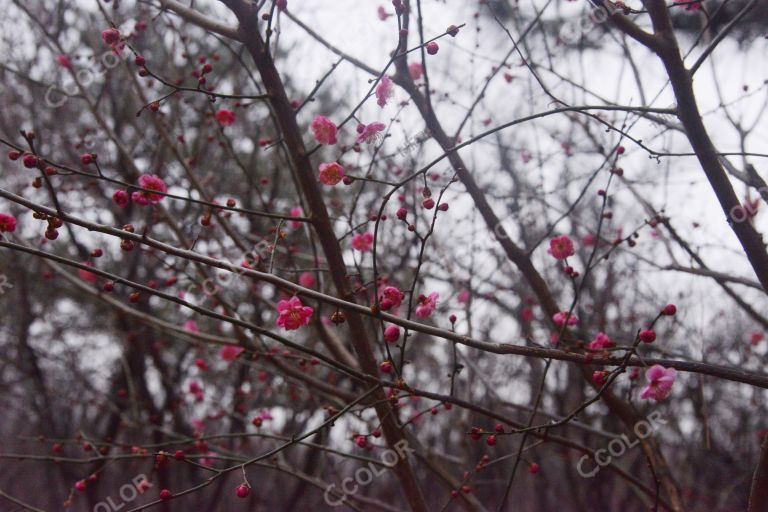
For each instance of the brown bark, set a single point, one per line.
(292, 139)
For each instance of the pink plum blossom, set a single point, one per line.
(296, 211)
(7, 223)
(324, 130)
(292, 314)
(384, 91)
(560, 319)
(660, 382)
(370, 133)
(561, 247)
(415, 70)
(229, 353)
(362, 242)
(601, 342)
(307, 280)
(150, 182)
(331, 173)
(225, 117)
(426, 305)
(390, 298)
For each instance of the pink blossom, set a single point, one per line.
(64, 61)
(370, 133)
(382, 13)
(191, 326)
(307, 280)
(7, 223)
(561, 247)
(111, 37)
(194, 387)
(225, 117)
(756, 338)
(88, 277)
(526, 315)
(293, 314)
(362, 242)
(324, 130)
(296, 211)
(660, 382)
(384, 91)
(415, 70)
(198, 426)
(690, 5)
(390, 298)
(426, 305)
(229, 353)
(331, 173)
(391, 334)
(560, 319)
(150, 182)
(601, 342)
(208, 459)
(463, 297)
(121, 198)
(432, 48)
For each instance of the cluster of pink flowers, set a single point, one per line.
(362, 242)
(660, 382)
(331, 173)
(292, 314)
(149, 182)
(390, 298)
(561, 247)
(384, 91)
(7, 223)
(601, 342)
(426, 305)
(324, 130)
(564, 318)
(225, 117)
(112, 38)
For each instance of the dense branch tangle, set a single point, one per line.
(335, 385)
